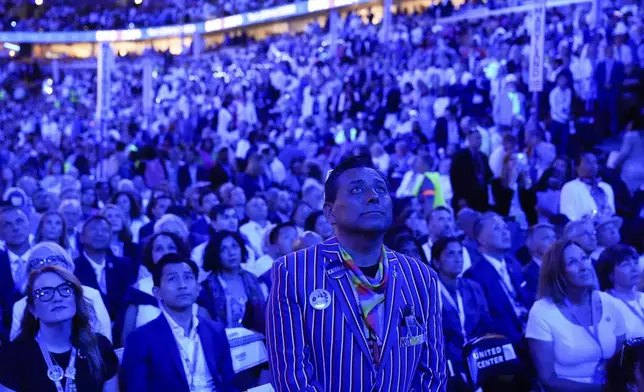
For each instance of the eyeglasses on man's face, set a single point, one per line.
(46, 294)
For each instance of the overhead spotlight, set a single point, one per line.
(12, 53)
(138, 2)
(13, 23)
(38, 2)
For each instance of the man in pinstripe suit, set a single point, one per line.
(349, 314)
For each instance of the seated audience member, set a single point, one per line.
(157, 207)
(171, 223)
(587, 194)
(619, 274)
(122, 244)
(99, 269)
(501, 278)
(318, 223)
(223, 217)
(539, 239)
(626, 368)
(57, 345)
(547, 191)
(72, 211)
(465, 310)
(230, 294)
(572, 329)
(583, 233)
(607, 229)
(14, 231)
(306, 240)
(253, 230)
(50, 253)
(132, 210)
(404, 242)
(301, 212)
(207, 200)
(141, 304)
(52, 228)
(440, 222)
(178, 351)
(279, 243)
(511, 193)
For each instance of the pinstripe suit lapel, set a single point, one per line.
(392, 307)
(339, 282)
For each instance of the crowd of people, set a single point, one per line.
(165, 219)
(61, 15)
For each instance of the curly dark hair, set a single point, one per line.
(212, 254)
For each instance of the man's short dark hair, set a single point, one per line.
(430, 214)
(219, 210)
(172, 258)
(95, 218)
(273, 236)
(355, 162)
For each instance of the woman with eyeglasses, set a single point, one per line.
(626, 368)
(619, 274)
(572, 329)
(57, 349)
(49, 253)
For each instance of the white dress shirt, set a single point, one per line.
(192, 356)
(502, 269)
(102, 324)
(577, 202)
(18, 266)
(99, 270)
(254, 232)
(560, 102)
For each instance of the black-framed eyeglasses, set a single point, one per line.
(52, 260)
(627, 346)
(46, 294)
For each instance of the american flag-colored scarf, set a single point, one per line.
(371, 292)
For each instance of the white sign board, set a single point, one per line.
(535, 82)
(104, 81)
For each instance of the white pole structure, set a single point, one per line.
(334, 19)
(386, 19)
(103, 96)
(537, 53)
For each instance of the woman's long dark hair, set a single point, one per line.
(83, 337)
(135, 209)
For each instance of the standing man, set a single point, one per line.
(470, 175)
(349, 314)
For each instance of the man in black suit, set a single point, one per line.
(99, 269)
(470, 176)
(540, 237)
(14, 231)
(191, 171)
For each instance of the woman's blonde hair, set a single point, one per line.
(55, 250)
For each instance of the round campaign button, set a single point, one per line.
(320, 299)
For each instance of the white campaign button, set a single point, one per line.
(320, 299)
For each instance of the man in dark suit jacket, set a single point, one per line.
(501, 278)
(540, 237)
(191, 172)
(470, 175)
(609, 77)
(157, 355)
(97, 268)
(445, 126)
(14, 231)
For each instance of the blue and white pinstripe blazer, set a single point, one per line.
(326, 350)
